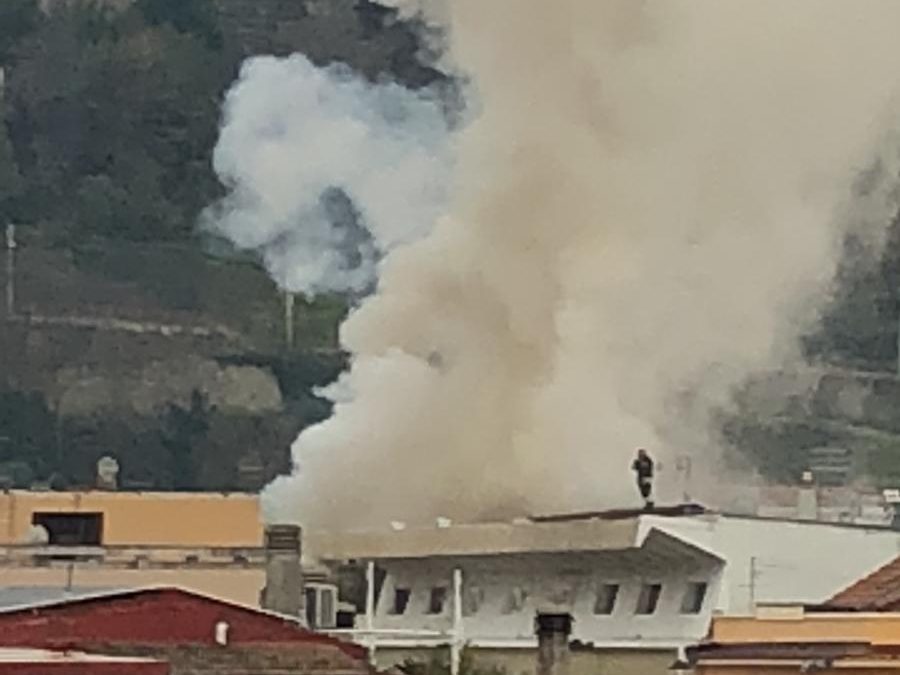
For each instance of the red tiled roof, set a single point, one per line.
(156, 616)
(880, 591)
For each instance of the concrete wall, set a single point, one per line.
(794, 561)
(524, 661)
(143, 519)
(564, 582)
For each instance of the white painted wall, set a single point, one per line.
(795, 561)
(564, 582)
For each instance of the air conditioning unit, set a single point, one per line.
(321, 605)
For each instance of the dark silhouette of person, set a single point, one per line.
(643, 469)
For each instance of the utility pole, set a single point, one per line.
(289, 319)
(370, 610)
(754, 574)
(456, 644)
(10, 271)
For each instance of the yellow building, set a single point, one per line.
(856, 631)
(797, 639)
(132, 518)
(210, 543)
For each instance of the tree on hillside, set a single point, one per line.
(117, 119)
(182, 430)
(196, 17)
(10, 178)
(17, 18)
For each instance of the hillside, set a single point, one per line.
(129, 331)
(125, 330)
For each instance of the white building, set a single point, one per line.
(634, 582)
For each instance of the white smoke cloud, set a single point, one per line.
(295, 137)
(644, 213)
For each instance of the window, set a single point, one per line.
(401, 601)
(436, 600)
(71, 529)
(692, 602)
(515, 600)
(605, 599)
(648, 599)
(472, 599)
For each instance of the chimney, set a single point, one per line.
(553, 632)
(283, 592)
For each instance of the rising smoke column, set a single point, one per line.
(644, 212)
(326, 172)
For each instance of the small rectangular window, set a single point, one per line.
(692, 602)
(436, 600)
(473, 597)
(401, 601)
(648, 599)
(605, 600)
(71, 529)
(515, 600)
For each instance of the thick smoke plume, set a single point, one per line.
(326, 171)
(644, 212)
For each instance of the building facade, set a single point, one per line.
(210, 543)
(639, 586)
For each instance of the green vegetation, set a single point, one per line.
(113, 117)
(109, 114)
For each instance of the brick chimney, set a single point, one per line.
(553, 632)
(283, 592)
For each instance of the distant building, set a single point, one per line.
(165, 519)
(641, 587)
(58, 545)
(190, 632)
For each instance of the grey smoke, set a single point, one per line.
(327, 172)
(648, 207)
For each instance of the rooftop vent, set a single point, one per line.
(283, 592)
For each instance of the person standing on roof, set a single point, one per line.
(643, 469)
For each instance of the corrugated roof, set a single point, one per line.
(880, 591)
